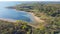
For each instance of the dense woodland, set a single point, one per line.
(50, 13)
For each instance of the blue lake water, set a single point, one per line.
(12, 13)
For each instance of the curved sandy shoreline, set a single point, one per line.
(37, 19)
(9, 20)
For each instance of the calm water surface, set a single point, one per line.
(12, 13)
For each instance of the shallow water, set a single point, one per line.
(12, 13)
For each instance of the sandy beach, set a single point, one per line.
(9, 20)
(37, 19)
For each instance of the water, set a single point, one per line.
(12, 13)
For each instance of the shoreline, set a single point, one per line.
(9, 20)
(37, 19)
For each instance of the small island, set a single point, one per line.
(11, 7)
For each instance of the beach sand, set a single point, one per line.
(37, 19)
(9, 20)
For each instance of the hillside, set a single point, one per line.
(18, 27)
(49, 13)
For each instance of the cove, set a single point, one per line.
(12, 13)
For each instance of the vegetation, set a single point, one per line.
(18, 27)
(50, 13)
